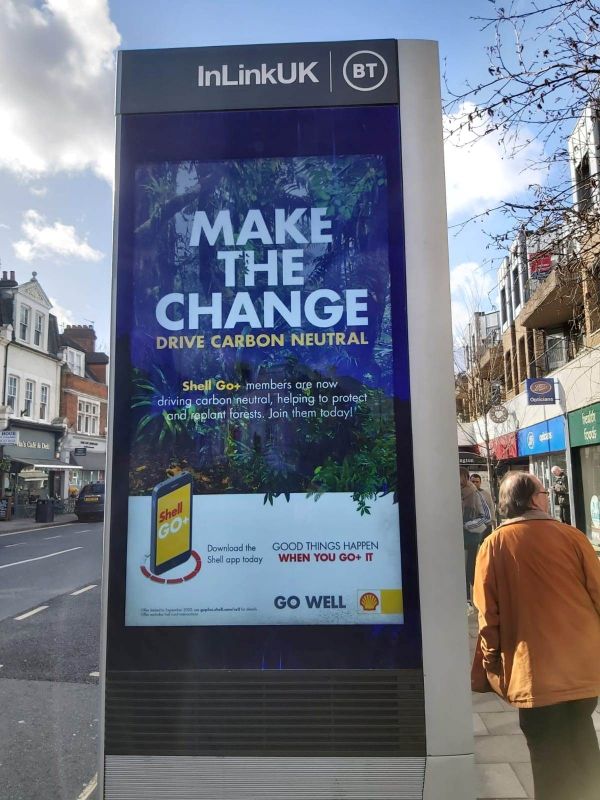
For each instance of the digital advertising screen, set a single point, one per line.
(262, 466)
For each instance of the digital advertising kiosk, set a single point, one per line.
(284, 580)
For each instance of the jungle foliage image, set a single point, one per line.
(261, 344)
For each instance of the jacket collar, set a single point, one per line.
(527, 515)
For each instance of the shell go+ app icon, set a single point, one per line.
(365, 70)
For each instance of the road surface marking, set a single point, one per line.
(39, 558)
(31, 613)
(37, 530)
(85, 589)
(16, 544)
(87, 792)
(47, 538)
(94, 674)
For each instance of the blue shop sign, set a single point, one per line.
(545, 437)
(540, 392)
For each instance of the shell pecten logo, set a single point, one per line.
(369, 601)
(381, 601)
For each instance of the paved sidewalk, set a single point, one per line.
(501, 756)
(27, 524)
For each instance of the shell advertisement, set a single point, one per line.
(268, 399)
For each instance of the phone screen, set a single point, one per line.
(172, 523)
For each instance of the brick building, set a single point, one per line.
(84, 402)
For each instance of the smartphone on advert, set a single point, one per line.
(171, 539)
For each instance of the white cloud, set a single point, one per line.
(38, 191)
(57, 87)
(63, 315)
(470, 287)
(478, 172)
(4, 227)
(50, 241)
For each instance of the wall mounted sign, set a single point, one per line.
(498, 414)
(541, 391)
(584, 426)
(545, 437)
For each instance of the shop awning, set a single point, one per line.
(44, 463)
(92, 461)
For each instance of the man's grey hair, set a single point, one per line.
(516, 492)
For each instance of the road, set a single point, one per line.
(49, 651)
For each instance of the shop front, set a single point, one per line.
(545, 446)
(32, 470)
(89, 456)
(505, 455)
(584, 433)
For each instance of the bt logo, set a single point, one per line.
(365, 70)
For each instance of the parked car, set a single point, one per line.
(90, 502)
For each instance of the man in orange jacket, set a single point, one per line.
(537, 590)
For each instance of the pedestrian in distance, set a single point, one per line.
(560, 487)
(475, 523)
(488, 502)
(537, 592)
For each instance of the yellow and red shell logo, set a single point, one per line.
(368, 601)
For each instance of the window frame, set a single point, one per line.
(38, 332)
(14, 405)
(24, 309)
(44, 406)
(28, 412)
(88, 416)
(75, 360)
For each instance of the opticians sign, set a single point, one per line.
(540, 392)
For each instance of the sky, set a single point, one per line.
(57, 76)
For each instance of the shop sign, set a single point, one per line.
(540, 264)
(471, 459)
(545, 437)
(31, 444)
(9, 437)
(498, 414)
(504, 447)
(540, 392)
(80, 451)
(584, 426)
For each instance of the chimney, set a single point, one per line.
(82, 336)
(6, 282)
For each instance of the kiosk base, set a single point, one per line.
(202, 778)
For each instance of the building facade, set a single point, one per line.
(54, 401)
(30, 363)
(84, 404)
(548, 301)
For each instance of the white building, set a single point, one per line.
(30, 369)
